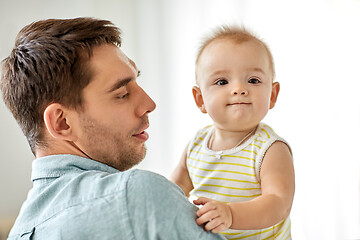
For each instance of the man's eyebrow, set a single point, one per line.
(120, 83)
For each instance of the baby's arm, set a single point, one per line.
(277, 185)
(181, 176)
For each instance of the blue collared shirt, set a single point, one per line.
(78, 198)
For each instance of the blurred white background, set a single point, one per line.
(316, 47)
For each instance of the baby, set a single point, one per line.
(239, 169)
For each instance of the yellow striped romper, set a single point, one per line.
(233, 175)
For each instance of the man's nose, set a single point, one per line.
(146, 104)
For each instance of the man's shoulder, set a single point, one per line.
(145, 175)
(152, 196)
(143, 181)
(136, 180)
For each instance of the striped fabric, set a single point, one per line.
(233, 175)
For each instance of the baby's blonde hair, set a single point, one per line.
(237, 34)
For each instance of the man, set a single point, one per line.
(74, 94)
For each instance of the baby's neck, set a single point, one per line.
(224, 140)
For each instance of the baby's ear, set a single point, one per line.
(199, 99)
(274, 94)
(57, 122)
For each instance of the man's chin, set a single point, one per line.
(131, 160)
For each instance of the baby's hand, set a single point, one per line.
(216, 215)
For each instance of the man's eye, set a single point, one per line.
(122, 96)
(254, 81)
(221, 82)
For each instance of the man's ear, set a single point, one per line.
(274, 94)
(57, 122)
(199, 99)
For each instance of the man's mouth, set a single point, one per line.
(142, 136)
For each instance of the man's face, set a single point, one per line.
(115, 111)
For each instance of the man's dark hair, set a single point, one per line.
(50, 63)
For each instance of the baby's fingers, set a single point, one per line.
(218, 228)
(209, 206)
(207, 217)
(201, 201)
(215, 225)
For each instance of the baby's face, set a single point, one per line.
(236, 83)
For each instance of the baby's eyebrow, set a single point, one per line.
(219, 72)
(256, 69)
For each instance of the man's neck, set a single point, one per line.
(57, 149)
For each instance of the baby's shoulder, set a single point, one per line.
(205, 130)
(265, 132)
(266, 137)
(200, 136)
(202, 133)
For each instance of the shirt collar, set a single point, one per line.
(57, 165)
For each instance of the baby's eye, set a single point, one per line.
(221, 82)
(254, 81)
